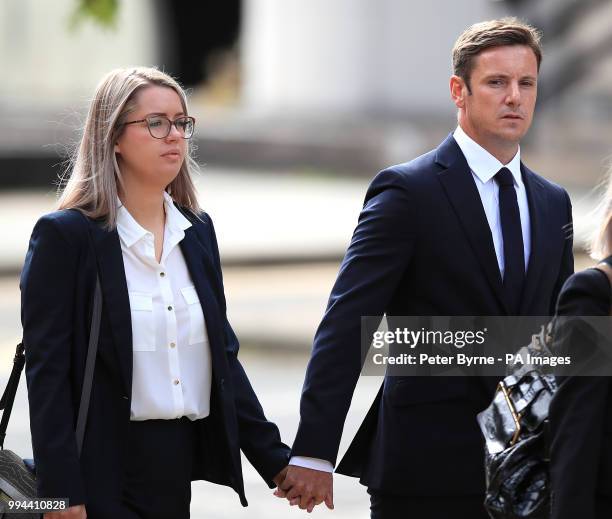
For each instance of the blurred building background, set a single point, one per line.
(299, 103)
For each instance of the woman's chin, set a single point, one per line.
(166, 175)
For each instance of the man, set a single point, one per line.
(465, 229)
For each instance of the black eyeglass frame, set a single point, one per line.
(172, 123)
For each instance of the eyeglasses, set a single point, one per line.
(160, 126)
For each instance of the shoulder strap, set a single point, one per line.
(90, 363)
(8, 397)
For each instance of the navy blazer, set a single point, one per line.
(422, 246)
(57, 284)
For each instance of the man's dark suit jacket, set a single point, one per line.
(57, 284)
(422, 247)
(581, 411)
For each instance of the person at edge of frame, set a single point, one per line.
(580, 415)
(465, 229)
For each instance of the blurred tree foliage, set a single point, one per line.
(102, 12)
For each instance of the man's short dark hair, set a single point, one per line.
(489, 34)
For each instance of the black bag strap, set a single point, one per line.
(8, 397)
(90, 363)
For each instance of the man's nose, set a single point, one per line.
(513, 96)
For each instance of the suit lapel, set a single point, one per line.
(538, 209)
(115, 295)
(462, 193)
(203, 273)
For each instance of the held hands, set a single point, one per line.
(305, 487)
(72, 512)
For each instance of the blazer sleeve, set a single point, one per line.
(47, 303)
(578, 408)
(259, 438)
(373, 266)
(567, 260)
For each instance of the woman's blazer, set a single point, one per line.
(57, 286)
(581, 410)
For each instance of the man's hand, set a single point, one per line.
(72, 512)
(307, 488)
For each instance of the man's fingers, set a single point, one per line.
(293, 493)
(286, 484)
(307, 488)
(305, 501)
(315, 501)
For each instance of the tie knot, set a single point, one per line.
(504, 177)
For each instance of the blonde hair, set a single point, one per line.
(94, 172)
(601, 241)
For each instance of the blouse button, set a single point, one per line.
(176, 382)
(170, 309)
(172, 344)
(162, 274)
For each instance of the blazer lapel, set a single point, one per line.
(538, 209)
(462, 193)
(115, 295)
(203, 273)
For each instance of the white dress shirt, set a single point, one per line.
(172, 369)
(484, 166)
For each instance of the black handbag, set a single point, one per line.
(515, 429)
(18, 476)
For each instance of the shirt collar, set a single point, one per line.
(482, 163)
(175, 220)
(130, 231)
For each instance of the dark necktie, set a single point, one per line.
(514, 256)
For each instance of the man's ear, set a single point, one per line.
(458, 91)
(117, 148)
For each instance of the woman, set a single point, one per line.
(581, 410)
(170, 402)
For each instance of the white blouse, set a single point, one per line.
(172, 369)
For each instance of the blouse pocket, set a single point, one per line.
(196, 315)
(143, 326)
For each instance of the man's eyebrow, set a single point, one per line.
(502, 75)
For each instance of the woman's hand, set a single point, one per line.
(72, 512)
(280, 477)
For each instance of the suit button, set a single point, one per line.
(222, 381)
